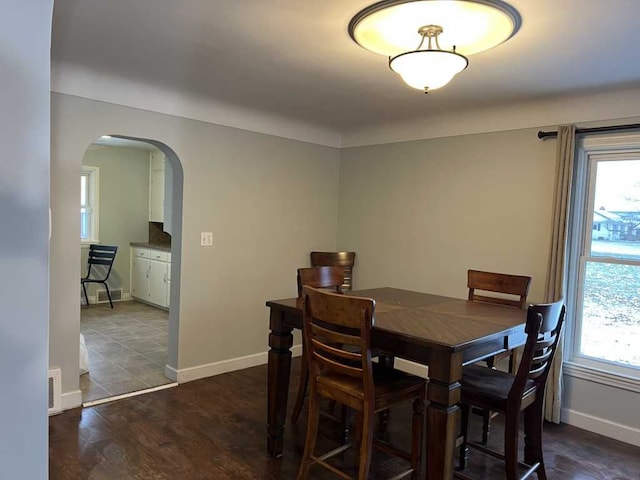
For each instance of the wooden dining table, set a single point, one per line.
(441, 332)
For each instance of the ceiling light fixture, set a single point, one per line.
(463, 27)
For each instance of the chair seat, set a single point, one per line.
(489, 388)
(391, 386)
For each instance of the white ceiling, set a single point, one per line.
(295, 59)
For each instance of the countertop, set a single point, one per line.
(155, 246)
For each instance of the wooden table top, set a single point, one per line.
(431, 320)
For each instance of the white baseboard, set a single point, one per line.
(126, 297)
(71, 400)
(225, 366)
(601, 426)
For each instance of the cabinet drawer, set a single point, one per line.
(141, 252)
(159, 255)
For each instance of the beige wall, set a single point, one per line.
(421, 213)
(124, 205)
(267, 200)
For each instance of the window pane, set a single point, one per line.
(84, 223)
(83, 189)
(611, 313)
(616, 215)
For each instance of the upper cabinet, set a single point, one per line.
(156, 186)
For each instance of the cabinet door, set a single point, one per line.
(140, 278)
(158, 283)
(156, 196)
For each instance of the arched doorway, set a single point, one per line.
(132, 347)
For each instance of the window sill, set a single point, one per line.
(602, 377)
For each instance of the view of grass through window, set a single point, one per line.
(611, 312)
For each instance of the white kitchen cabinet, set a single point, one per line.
(139, 277)
(158, 282)
(150, 281)
(156, 186)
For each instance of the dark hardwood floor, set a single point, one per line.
(216, 429)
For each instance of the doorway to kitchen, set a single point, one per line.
(133, 201)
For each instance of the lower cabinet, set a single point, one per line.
(150, 275)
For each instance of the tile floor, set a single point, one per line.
(127, 348)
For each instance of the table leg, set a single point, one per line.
(443, 414)
(280, 341)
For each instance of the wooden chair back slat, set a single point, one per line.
(516, 285)
(328, 350)
(337, 366)
(334, 336)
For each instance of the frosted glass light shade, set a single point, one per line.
(428, 69)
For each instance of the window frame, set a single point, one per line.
(93, 203)
(590, 150)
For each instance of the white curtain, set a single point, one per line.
(556, 279)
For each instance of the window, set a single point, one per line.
(604, 266)
(89, 181)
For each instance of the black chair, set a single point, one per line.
(99, 255)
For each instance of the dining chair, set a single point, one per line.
(331, 277)
(332, 323)
(103, 256)
(346, 260)
(513, 291)
(510, 394)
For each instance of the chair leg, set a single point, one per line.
(302, 388)
(385, 361)
(486, 425)
(533, 419)
(86, 297)
(511, 446)
(312, 432)
(416, 435)
(463, 453)
(357, 437)
(366, 443)
(345, 417)
(512, 362)
(108, 294)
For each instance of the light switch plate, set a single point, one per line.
(206, 239)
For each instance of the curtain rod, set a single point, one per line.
(631, 126)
